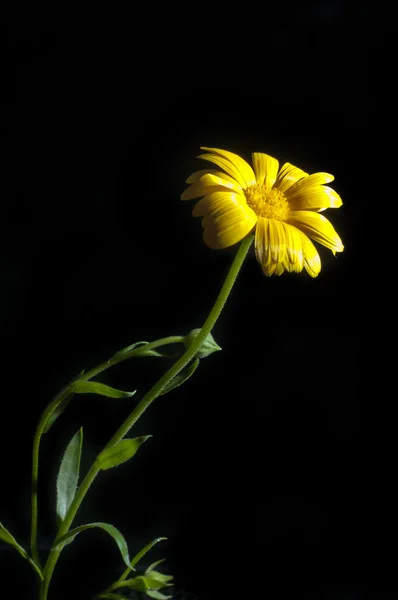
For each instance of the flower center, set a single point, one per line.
(267, 202)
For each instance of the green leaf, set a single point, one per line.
(157, 595)
(7, 537)
(142, 352)
(143, 583)
(144, 550)
(208, 346)
(181, 377)
(159, 576)
(155, 564)
(68, 475)
(110, 529)
(120, 452)
(57, 412)
(93, 387)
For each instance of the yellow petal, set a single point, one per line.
(316, 179)
(316, 197)
(265, 168)
(294, 258)
(224, 180)
(226, 218)
(194, 178)
(270, 245)
(233, 164)
(196, 190)
(287, 176)
(312, 261)
(317, 227)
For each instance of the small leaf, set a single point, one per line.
(157, 595)
(207, 347)
(159, 576)
(143, 583)
(181, 377)
(144, 550)
(120, 452)
(93, 387)
(155, 564)
(142, 352)
(57, 412)
(68, 475)
(6, 536)
(110, 529)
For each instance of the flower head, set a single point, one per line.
(282, 206)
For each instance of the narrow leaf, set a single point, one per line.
(6, 536)
(110, 529)
(57, 412)
(68, 475)
(181, 377)
(159, 576)
(144, 550)
(155, 564)
(94, 387)
(142, 352)
(120, 452)
(143, 583)
(157, 595)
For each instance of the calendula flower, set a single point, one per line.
(282, 206)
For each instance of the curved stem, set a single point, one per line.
(144, 404)
(62, 395)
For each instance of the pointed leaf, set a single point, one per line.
(157, 595)
(159, 576)
(120, 452)
(181, 377)
(143, 583)
(142, 352)
(7, 537)
(110, 529)
(144, 550)
(57, 412)
(94, 387)
(68, 475)
(155, 564)
(209, 345)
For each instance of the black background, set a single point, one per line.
(256, 471)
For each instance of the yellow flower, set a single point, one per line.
(282, 206)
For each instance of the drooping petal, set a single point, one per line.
(227, 218)
(287, 176)
(317, 227)
(271, 246)
(294, 261)
(265, 168)
(233, 164)
(316, 197)
(312, 261)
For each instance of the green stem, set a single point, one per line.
(53, 405)
(144, 404)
